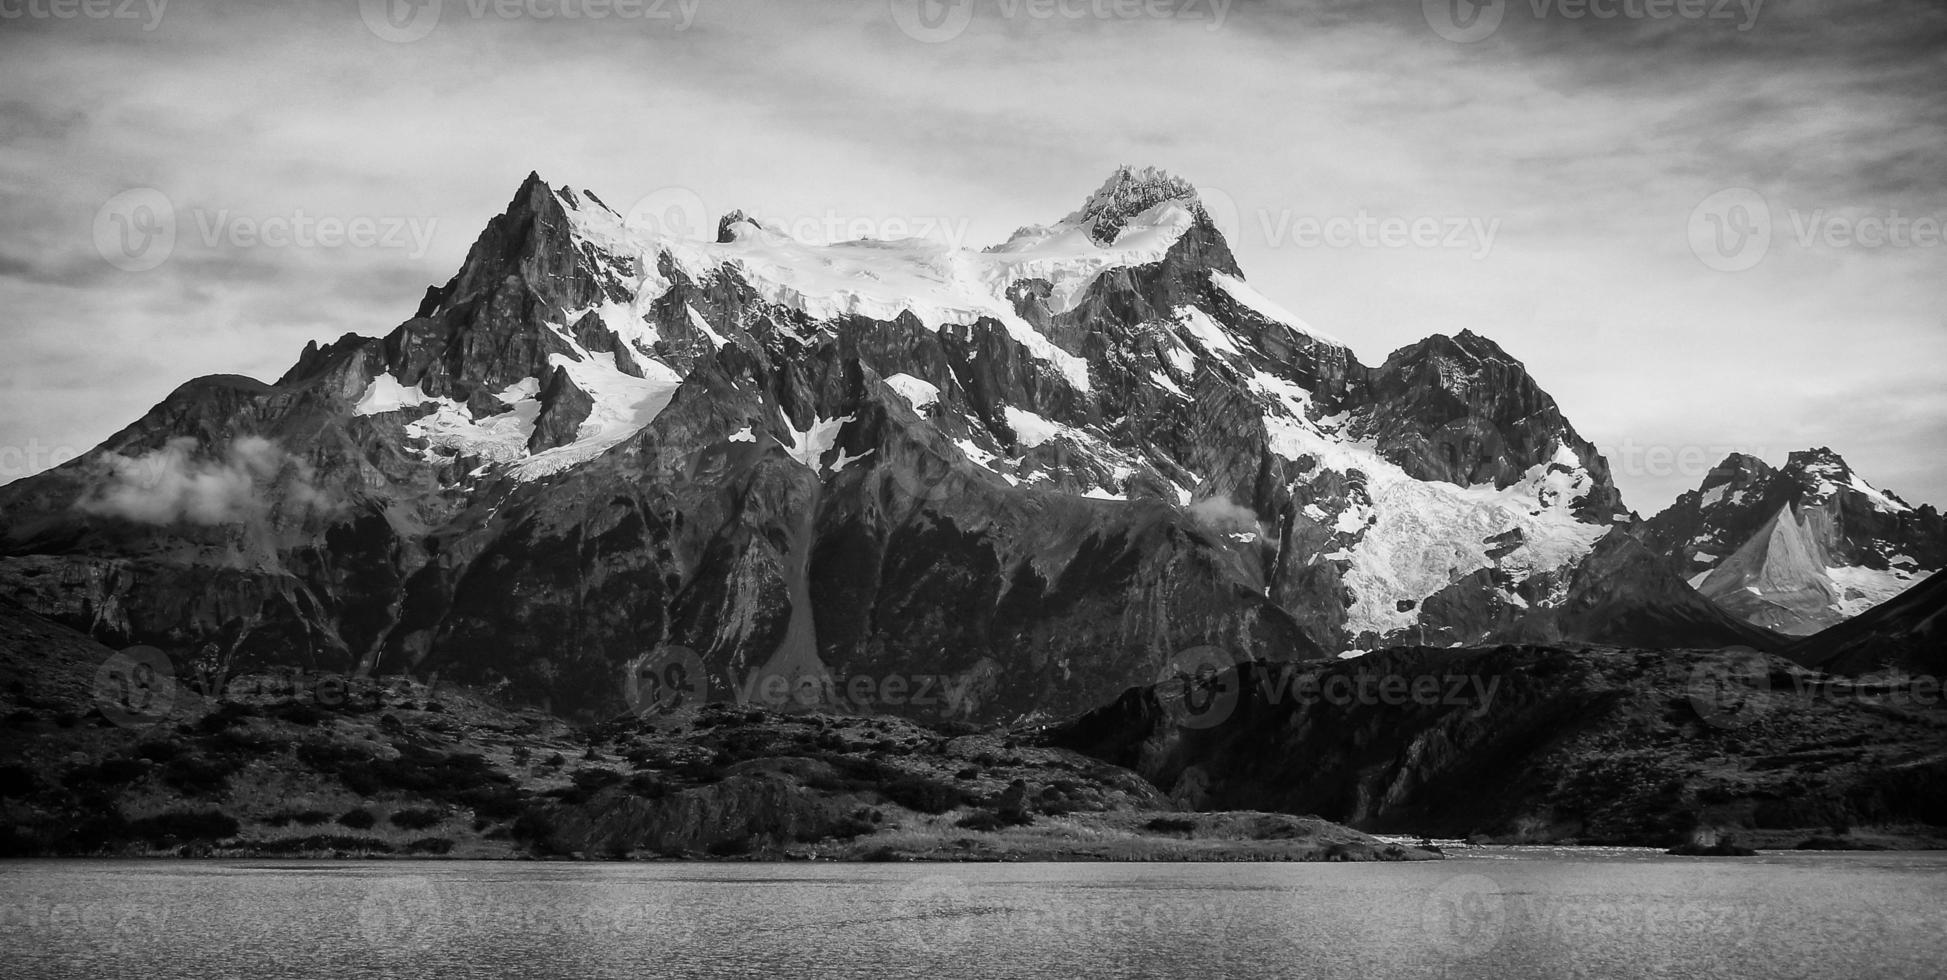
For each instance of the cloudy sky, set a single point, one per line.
(1705, 225)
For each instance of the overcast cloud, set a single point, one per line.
(1563, 159)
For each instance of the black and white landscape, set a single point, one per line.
(858, 487)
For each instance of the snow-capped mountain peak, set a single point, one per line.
(1798, 548)
(1823, 473)
(1129, 193)
(1044, 465)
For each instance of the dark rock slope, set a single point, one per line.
(1905, 634)
(1537, 744)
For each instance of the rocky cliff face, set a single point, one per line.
(1032, 473)
(1797, 549)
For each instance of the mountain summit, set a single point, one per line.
(1801, 548)
(1034, 472)
(1127, 194)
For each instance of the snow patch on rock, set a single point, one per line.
(918, 392)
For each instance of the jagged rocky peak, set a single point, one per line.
(727, 225)
(1462, 410)
(1823, 473)
(1799, 548)
(1818, 464)
(1129, 192)
(1738, 470)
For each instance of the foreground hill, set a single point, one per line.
(102, 758)
(1531, 744)
(1904, 635)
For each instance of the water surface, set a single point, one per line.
(1494, 914)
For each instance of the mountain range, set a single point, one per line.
(1033, 474)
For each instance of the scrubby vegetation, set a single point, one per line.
(276, 773)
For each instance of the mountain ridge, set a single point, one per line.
(1043, 469)
(1797, 548)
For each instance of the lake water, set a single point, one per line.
(1493, 914)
